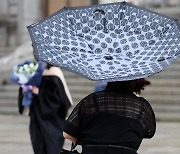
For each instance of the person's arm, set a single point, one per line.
(69, 137)
(72, 129)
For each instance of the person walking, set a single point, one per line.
(48, 110)
(112, 121)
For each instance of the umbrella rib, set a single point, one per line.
(78, 35)
(67, 14)
(120, 7)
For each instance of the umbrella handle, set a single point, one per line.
(104, 18)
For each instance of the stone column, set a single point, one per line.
(30, 11)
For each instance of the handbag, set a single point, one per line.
(72, 151)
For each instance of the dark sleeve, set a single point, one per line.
(20, 100)
(74, 121)
(148, 120)
(52, 98)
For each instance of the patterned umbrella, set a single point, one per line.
(112, 42)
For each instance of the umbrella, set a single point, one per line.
(111, 42)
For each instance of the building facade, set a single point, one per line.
(16, 15)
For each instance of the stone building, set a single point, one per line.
(15, 15)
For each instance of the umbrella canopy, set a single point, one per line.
(112, 42)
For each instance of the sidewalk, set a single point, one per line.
(14, 137)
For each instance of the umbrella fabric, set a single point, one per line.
(111, 42)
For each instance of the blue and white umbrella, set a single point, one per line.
(112, 42)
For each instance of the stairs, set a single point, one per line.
(8, 99)
(79, 87)
(163, 93)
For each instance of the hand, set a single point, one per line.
(35, 90)
(69, 137)
(26, 88)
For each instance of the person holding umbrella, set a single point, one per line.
(114, 120)
(122, 44)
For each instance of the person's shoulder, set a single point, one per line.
(145, 102)
(89, 96)
(142, 99)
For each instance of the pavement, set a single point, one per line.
(14, 137)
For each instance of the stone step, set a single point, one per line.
(70, 74)
(171, 117)
(9, 95)
(166, 112)
(9, 86)
(173, 67)
(159, 99)
(9, 110)
(8, 102)
(162, 91)
(167, 108)
(166, 75)
(80, 89)
(164, 82)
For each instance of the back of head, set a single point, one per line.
(135, 86)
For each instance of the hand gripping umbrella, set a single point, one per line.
(112, 42)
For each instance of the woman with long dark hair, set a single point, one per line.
(112, 121)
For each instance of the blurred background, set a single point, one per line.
(15, 47)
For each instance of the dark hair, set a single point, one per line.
(48, 66)
(135, 86)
